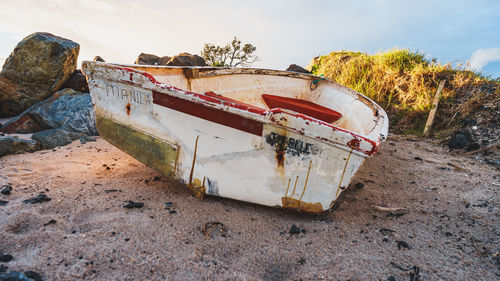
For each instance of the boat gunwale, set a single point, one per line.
(263, 115)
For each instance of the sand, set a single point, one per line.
(447, 224)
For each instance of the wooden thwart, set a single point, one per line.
(434, 107)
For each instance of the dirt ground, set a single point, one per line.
(448, 225)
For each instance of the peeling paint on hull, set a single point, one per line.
(244, 151)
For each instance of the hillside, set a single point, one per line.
(404, 82)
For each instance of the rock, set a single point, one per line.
(12, 145)
(3, 268)
(131, 204)
(33, 275)
(182, 59)
(149, 59)
(40, 198)
(359, 185)
(52, 221)
(67, 109)
(19, 276)
(186, 59)
(6, 189)
(38, 66)
(84, 139)
(294, 230)
(403, 244)
(3, 202)
(77, 82)
(459, 139)
(6, 258)
(51, 138)
(297, 68)
(473, 146)
(98, 58)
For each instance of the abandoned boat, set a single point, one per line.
(269, 137)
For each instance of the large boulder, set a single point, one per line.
(39, 65)
(13, 145)
(182, 59)
(66, 109)
(186, 59)
(297, 68)
(149, 59)
(77, 82)
(51, 138)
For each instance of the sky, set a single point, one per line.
(464, 32)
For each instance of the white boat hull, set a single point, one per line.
(273, 158)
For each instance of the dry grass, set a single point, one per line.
(404, 83)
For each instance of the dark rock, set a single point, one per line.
(473, 146)
(12, 145)
(19, 276)
(52, 221)
(132, 204)
(147, 59)
(156, 178)
(391, 278)
(33, 275)
(297, 68)
(77, 82)
(419, 158)
(84, 139)
(6, 258)
(3, 268)
(6, 189)
(38, 66)
(403, 244)
(294, 230)
(186, 59)
(51, 138)
(459, 139)
(67, 109)
(359, 185)
(3, 202)
(386, 232)
(98, 58)
(40, 198)
(168, 205)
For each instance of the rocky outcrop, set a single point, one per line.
(51, 138)
(186, 59)
(149, 59)
(67, 109)
(98, 58)
(297, 68)
(182, 59)
(13, 145)
(39, 65)
(77, 82)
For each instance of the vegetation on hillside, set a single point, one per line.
(404, 82)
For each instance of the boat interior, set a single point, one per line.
(267, 89)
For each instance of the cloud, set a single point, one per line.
(482, 57)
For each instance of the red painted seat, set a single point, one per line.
(249, 106)
(302, 106)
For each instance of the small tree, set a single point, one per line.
(233, 54)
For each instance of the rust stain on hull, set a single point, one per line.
(292, 203)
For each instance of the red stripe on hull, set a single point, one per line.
(211, 114)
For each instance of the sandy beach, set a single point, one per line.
(413, 204)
